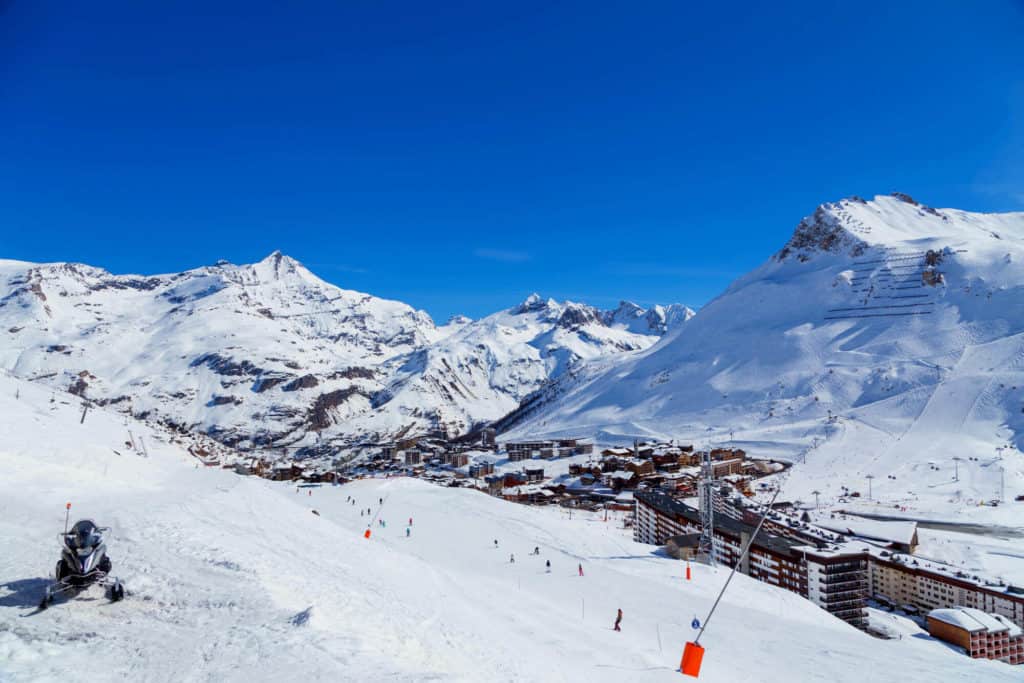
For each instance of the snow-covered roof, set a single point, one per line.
(894, 532)
(622, 474)
(968, 618)
(1011, 627)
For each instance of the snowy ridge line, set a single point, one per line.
(866, 308)
(878, 315)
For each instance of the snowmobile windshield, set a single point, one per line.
(84, 535)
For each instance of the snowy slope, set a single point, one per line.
(905, 322)
(234, 579)
(268, 354)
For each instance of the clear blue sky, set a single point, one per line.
(459, 155)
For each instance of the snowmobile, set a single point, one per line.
(83, 562)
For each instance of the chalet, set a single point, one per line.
(413, 457)
(620, 479)
(456, 459)
(534, 474)
(495, 483)
(514, 479)
(726, 467)
(640, 467)
(900, 535)
(617, 452)
(481, 468)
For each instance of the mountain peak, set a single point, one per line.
(276, 266)
(531, 304)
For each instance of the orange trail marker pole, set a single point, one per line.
(687, 570)
(67, 514)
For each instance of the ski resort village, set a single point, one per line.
(243, 472)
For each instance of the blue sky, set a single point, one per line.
(458, 156)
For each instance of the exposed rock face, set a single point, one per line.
(304, 382)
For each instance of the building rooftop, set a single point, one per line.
(970, 619)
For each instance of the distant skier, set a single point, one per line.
(381, 500)
(361, 513)
(549, 566)
(512, 559)
(495, 544)
(407, 530)
(581, 569)
(536, 550)
(410, 521)
(618, 620)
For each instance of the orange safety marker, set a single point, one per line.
(366, 534)
(687, 570)
(692, 656)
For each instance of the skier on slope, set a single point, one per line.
(618, 620)
(410, 521)
(495, 544)
(549, 566)
(512, 559)
(581, 569)
(407, 530)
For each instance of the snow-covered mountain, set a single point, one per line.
(269, 354)
(886, 337)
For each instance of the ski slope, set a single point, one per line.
(235, 579)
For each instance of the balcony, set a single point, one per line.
(843, 586)
(845, 606)
(845, 595)
(836, 577)
(844, 567)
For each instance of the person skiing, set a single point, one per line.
(618, 620)
(407, 530)
(549, 566)
(360, 513)
(536, 550)
(410, 521)
(581, 569)
(512, 559)
(495, 544)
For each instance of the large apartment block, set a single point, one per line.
(833, 579)
(836, 579)
(905, 582)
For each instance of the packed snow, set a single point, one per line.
(233, 578)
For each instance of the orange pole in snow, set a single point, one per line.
(687, 571)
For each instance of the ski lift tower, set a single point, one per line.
(706, 498)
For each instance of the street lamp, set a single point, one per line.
(869, 478)
(816, 494)
(956, 467)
